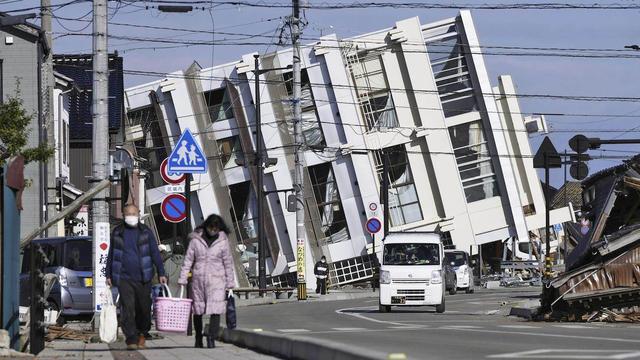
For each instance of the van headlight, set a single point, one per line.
(436, 277)
(385, 277)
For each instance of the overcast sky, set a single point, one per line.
(592, 29)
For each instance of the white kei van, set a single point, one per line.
(411, 271)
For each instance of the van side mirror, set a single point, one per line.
(473, 262)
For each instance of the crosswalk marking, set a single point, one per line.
(518, 326)
(292, 330)
(572, 326)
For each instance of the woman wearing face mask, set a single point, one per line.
(209, 260)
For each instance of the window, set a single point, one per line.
(411, 254)
(77, 255)
(474, 162)
(311, 129)
(1, 80)
(65, 142)
(404, 207)
(230, 150)
(449, 65)
(372, 88)
(153, 146)
(325, 190)
(244, 210)
(220, 108)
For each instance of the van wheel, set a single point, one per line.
(384, 308)
(453, 290)
(53, 306)
(469, 290)
(440, 307)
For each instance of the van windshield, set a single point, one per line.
(78, 255)
(411, 254)
(457, 258)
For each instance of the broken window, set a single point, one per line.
(325, 189)
(372, 88)
(449, 65)
(311, 129)
(220, 108)
(230, 150)
(404, 206)
(474, 161)
(153, 146)
(244, 211)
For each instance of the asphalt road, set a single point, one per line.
(471, 328)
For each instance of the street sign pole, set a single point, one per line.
(547, 203)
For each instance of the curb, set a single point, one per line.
(294, 347)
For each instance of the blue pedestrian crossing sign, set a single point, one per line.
(187, 157)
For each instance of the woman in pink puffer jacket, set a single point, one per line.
(210, 262)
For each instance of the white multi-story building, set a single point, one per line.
(458, 149)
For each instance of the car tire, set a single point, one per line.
(384, 308)
(454, 289)
(469, 290)
(440, 307)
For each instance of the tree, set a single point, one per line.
(15, 130)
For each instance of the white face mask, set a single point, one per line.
(131, 220)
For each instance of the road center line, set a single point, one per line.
(633, 341)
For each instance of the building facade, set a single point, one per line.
(415, 94)
(21, 52)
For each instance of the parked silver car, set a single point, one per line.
(70, 258)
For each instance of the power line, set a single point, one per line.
(541, 96)
(559, 52)
(419, 5)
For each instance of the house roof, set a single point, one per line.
(570, 192)
(79, 68)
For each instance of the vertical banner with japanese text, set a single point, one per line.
(101, 245)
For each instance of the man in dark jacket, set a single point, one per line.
(321, 270)
(130, 267)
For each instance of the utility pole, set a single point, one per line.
(262, 251)
(299, 157)
(48, 81)
(260, 161)
(100, 209)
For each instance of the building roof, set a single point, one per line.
(79, 68)
(570, 192)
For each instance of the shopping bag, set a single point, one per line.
(109, 319)
(231, 312)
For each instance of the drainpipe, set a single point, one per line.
(61, 129)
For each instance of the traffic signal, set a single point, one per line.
(579, 169)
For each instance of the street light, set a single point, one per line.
(260, 164)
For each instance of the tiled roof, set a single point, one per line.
(79, 68)
(572, 192)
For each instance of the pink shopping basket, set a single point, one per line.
(172, 314)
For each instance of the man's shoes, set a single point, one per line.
(148, 336)
(141, 342)
(199, 342)
(132, 346)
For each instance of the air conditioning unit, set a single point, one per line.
(134, 133)
(536, 124)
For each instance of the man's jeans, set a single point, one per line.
(135, 311)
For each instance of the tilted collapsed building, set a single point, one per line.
(417, 94)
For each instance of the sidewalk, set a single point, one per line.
(169, 348)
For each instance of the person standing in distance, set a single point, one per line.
(130, 267)
(210, 262)
(321, 270)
